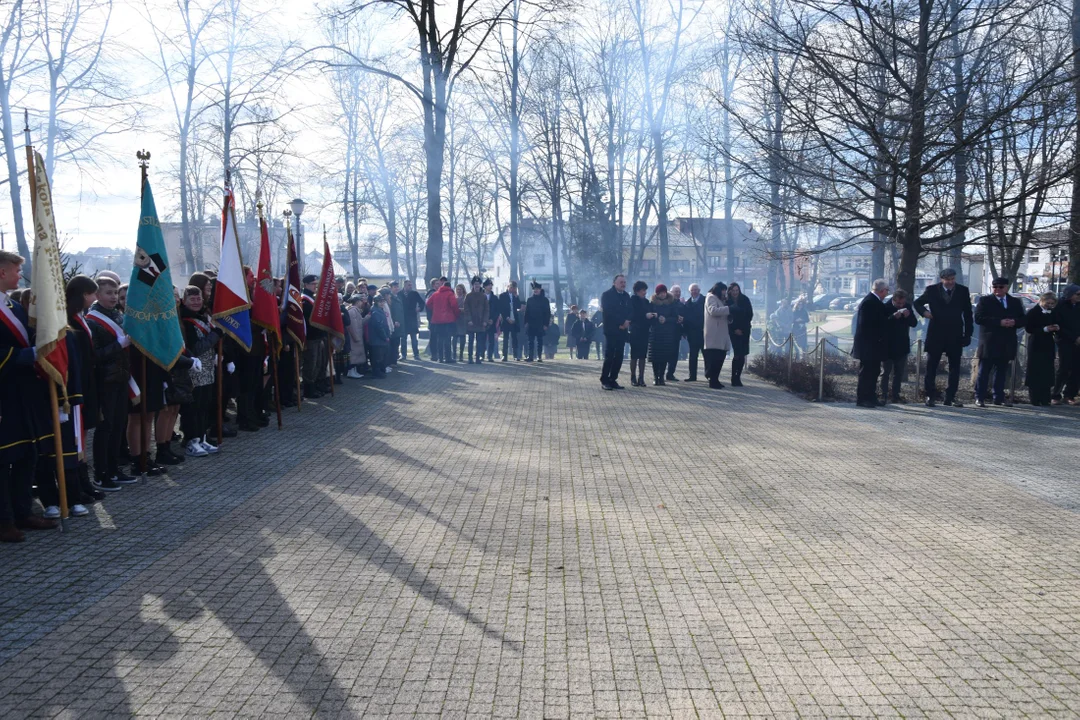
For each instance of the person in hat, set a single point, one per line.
(664, 332)
(412, 304)
(397, 315)
(475, 312)
(314, 371)
(999, 316)
(379, 335)
(947, 305)
(537, 319)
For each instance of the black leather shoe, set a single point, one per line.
(980, 403)
(929, 402)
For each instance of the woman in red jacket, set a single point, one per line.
(444, 313)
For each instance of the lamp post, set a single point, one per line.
(298, 206)
(285, 246)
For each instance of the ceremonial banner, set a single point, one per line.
(231, 303)
(48, 305)
(291, 299)
(326, 313)
(264, 309)
(150, 316)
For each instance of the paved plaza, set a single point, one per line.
(508, 540)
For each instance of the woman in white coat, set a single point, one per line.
(717, 339)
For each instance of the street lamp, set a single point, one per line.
(298, 206)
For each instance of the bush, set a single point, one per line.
(804, 375)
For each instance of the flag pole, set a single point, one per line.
(273, 349)
(329, 339)
(220, 412)
(299, 384)
(144, 432)
(54, 400)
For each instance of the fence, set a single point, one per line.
(818, 354)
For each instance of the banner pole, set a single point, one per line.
(220, 385)
(144, 421)
(54, 401)
(299, 385)
(277, 386)
(330, 363)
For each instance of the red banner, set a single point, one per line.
(291, 299)
(264, 308)
(326, 314)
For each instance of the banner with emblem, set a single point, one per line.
(326, 313)
(150, 316)
(232, 305)
(48, 305)
(264, 309)
(292, 299)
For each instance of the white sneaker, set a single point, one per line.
(51, 513)
(79, 510)
(195, 449)
(353, 374)
(211, 449)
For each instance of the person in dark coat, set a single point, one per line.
(551, 339)
(870, 343)
(998, 315)
(537, 319)
(899, 319)
(694, 327)
(664, 332)
(510, 317)
(641, 316)
(947, 305)
(1043, 326)
(741, 318)
(492, 331)
(412, 304)
(1067, 383)
(81, 294)
(571, 318)
(615, 304)
(581, 335)
(23, 434)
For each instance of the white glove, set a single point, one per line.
(64, 417)
(124, 340)
(230, 368)
(196, 364)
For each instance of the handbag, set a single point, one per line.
(181, 389)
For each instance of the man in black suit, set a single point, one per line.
(494, 311)
(615, 304)
(947, 305)
(510, 311)
(999, 315)
(870, 343)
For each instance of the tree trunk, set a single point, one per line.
(1074, 214)
(960, 162)
(13, 177)
(434, 148)
(515, 149)
(912, 242)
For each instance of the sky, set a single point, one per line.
(99, 206)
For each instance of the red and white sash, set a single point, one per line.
(13, 323)
(106, 322)
(204, 327)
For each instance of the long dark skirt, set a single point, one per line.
(639, 345)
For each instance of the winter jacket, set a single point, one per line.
(715, 330)
(443, 305)
(357, 356)
(537, 314)
(412, 304)
(898, 331)
(477, 311)
(378, 326)
(201, 342)
(664, 336)
(1069, 315)
(460, 327)
(111, 359)
(581, 332)
(616, 308)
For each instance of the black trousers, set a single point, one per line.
(738, 362)
(249, 400)
(396, 343)
(692, 357)
(404, 341)
(510, 337)
(866, 390)
(1068, 373)
(1000, 369)
(479, 341)
(536, 346)
(377, 359)
(195, 416)
(583, 350)
(111, 429)
(15, 480)
(492, 343)
(286, 377)
(896, 368)
(613, 359)
(933, 360)
(714, 364)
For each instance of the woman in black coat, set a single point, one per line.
(1042, 324)
(641, 316)
(741, 314)
(664, 333)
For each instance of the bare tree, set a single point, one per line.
(14, 64)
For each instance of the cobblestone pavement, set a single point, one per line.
(509, 540)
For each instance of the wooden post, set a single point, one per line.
(54, 401)
(766, 338)
(277, 385)
(918, 368)
(144, 433)
(790, 355)
(220, 395)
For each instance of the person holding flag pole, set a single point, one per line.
(326, 307)
(293, 309)
(150, 318)
(48, 303)
(231, 311)
(264, 312)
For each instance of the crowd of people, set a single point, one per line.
(883, 342)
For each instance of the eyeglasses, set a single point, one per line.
(996, 287)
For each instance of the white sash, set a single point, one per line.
(14, 323)
(106, 322)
